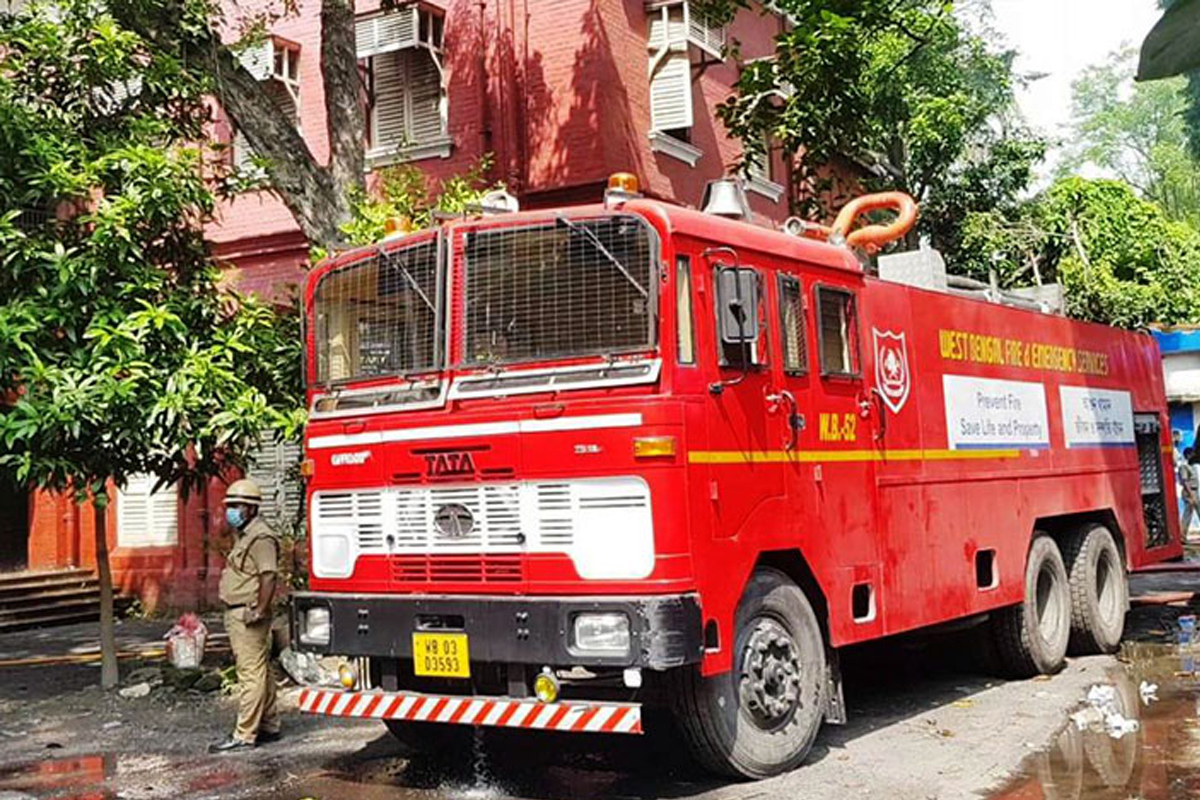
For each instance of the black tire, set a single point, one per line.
(1031, 637)
(433, 738)
(760, 718)
(1099, 590)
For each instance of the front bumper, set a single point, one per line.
(497, 712)
(665, 631)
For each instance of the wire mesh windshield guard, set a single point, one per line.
(563, 288)
(381, 316)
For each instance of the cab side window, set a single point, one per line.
(837, 328)
(685, 334)
(792, 326)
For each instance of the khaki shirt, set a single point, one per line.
(255, 553)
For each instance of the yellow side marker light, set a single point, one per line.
(654, 446)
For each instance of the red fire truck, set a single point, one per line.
(571, 466)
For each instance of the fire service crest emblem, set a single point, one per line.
(892, 376)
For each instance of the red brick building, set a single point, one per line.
(562, 92)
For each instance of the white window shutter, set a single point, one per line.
(761, 169)
(666, 27)
(671, 93)
(146, 519)
(387, 32)
(388, 116)
(271, 467)
(425, 91)
(259, 59)
(704, 33)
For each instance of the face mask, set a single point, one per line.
(235, 517)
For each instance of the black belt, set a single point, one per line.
(228, 607)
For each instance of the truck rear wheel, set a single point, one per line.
(760, 718)
(1031, 638)
(1099, 591)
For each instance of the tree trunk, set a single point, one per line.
(318, 196)
(343, 94)
(109, 675)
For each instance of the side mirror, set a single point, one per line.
(737, 305)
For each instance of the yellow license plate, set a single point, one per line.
(441, 655)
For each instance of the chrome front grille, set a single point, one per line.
(507, 517)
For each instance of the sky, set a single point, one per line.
(1062, 37)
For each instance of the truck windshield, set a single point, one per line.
(380, 316)
(559, 289)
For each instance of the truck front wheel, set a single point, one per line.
(1031, 638)
(760, 718)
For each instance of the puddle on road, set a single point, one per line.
(121, 777)
(1158, 761)
(566, 768)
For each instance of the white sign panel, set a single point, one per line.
(984, 413)
(1096, 417)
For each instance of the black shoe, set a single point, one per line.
(231, 745)
(266, 737)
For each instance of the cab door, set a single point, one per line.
(746, 473)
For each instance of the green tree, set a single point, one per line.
(404, 192)
(1120, 258)
(119, 351)
(903, 85)
(1136, 132)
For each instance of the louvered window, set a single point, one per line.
(275, 468)
(674, 29)
(276, 63)
(671, 95)
(680, 24)
(401, 51)
(146, 518)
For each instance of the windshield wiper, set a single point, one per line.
(591, 236)
(393, 262)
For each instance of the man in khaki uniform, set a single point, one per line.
(247, 590)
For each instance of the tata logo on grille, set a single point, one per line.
(454, 521)
(442, 465)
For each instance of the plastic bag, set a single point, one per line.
(185, 642)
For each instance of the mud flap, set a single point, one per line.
(835, 704)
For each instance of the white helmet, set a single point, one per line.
(244, 491)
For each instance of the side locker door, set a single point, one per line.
(845, 463)
(905, 516)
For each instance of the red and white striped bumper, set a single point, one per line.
(573, 717)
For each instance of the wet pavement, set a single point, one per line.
(1158, 761)
(927, 722)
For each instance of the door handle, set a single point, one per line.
(795, 420)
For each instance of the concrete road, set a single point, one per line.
(925, 723)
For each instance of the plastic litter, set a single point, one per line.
(1102, 712)
(185, 642)
(1148, 692)
(135, 691)
(1187, 630)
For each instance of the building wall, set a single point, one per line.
(558, 90)
(63, 534)
(561, 97)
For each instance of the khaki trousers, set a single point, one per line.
(256, 680)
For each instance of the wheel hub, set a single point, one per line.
(770, 675)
